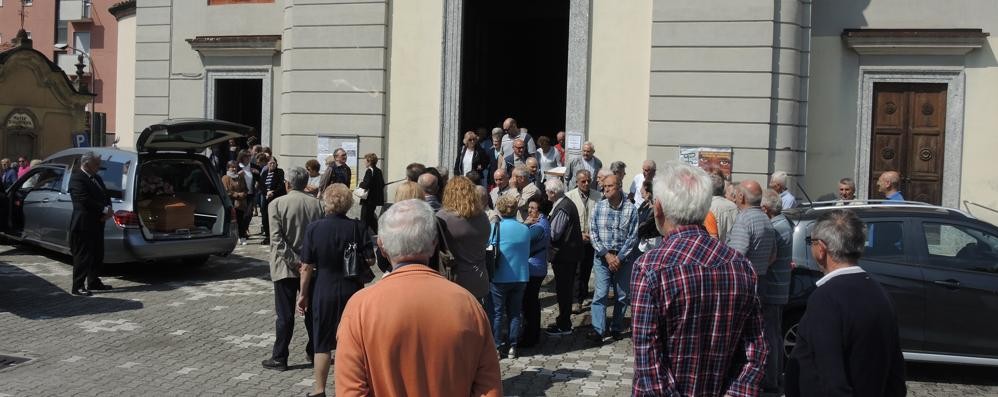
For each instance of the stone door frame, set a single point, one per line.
(247, 73)
(955, 79)
(577, 100)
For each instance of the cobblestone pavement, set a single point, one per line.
(170, 329)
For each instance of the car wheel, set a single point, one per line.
(790, 329)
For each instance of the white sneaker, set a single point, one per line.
(242, 241)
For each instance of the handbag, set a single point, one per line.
(360, 193)
(446, 257)
(492, 252)
(354, 266)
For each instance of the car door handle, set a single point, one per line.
(45, 200)
(951, 284)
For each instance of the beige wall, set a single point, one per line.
(416, 54)
(834, 85)
(619, 74)
(125, 89)
(979, 180)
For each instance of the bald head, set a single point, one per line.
(501, 178)
(889, 182)
(509, 125)
(611, 187)
(532, 165)
(428, 182)
(749, 194)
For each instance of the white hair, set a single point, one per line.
(555, 187)
(771, 199)
(603, 173)
(408, 230)
(683, 192)
(779, 177)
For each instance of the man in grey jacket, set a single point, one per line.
(288, 217)
(588, 161)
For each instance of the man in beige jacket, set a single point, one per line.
(414, 333)
(585, 198)
(288, 217)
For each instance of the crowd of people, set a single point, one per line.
(10, 172)
(702, 263)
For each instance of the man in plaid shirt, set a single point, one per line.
(698, 327)
(613, 232)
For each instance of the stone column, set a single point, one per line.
(577, 86)
(450, 82)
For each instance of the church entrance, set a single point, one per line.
(515, 64)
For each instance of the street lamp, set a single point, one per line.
(93, 95)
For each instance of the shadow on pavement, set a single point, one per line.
(27, 295)
(951, 373)
(170, 275)
(527, 379)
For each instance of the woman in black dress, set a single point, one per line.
(322, 261)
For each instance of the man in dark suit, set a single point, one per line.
(374, 183)
(271, 186)
(566, 246)
(91, 208)
(847, 343)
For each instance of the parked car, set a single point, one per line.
(168, 200)
(940, 266)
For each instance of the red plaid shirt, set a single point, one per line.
(697, 319)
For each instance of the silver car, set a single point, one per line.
(37, 208)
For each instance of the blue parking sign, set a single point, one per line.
(81, 139)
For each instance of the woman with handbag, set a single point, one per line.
(336, 255)
(511, 274)
(235, 187)
(465, 233)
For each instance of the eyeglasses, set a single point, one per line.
(810, 240)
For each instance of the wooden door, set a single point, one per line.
(909, 126)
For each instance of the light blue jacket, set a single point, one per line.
(514, 245)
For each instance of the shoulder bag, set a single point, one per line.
(354, 266)
(492, 252)
(445, 256)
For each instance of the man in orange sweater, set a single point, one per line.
(414, 333)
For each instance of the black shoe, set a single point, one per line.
(275, 365)
(513, 353)
(555, 330)
(100, 287)
(82, 292)
(265, 242)
(616, 335)
(595, 338)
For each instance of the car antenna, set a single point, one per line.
(804, 191)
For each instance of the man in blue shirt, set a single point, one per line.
(888, 184)
(613, 230)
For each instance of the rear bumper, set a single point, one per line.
(128, 245)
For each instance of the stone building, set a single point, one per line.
(62, 29)
(822, 90)
(40, 108)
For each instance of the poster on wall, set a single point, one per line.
(708, 158)
(327, 144)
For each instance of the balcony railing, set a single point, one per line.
(75, 10)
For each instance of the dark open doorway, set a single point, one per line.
(515, 62)
(240, 101)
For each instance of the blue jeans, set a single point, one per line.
(620, 280)
(507, 298)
